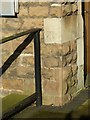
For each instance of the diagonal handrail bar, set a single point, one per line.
(37, 96)
(16, 53)
(12, 37)
(19, 49)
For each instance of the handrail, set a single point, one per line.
(12, 37)
(37, 96)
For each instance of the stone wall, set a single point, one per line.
(58, 59)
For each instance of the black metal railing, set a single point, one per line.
(37, 96)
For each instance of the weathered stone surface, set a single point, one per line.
(67, 9)
(80, 77)
(6, 48)
(52, 100)
(65, 49)
(73, 45)
(3, 92)
(69, 28)
(14, 23)
(71, 82)
(59, 80)
(65, 87)
(60, 62)
(45, 50)
(23, 11)
(27, 60)
(73, 90)
(56, 50)
(39, 11)
(25, 72)
(31, 23)
(66, 72)
(74, 69)
(50, 62)
(50, 87)
(74, 80)
(56, 11)
(69, 58)
(74, 7)
(67, 97)
(74, 56)
(48, 74)
(29, 86)
(13, 84)
(64, 62)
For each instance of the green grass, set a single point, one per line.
(11, 100)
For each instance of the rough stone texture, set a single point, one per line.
(50, 87)
(30, 23)
(58, 61)
(48, 74)
(50, 62)
(13, 84)
(29, 86)
(67, 72)
(56, 11)
(39, 11)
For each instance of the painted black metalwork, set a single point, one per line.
(37, 96)
(37, 68)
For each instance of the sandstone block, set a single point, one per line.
(25, 72)
(67, 9)
(13, 84)
(66, 72)
(74, 56)
(39, 11)
(74, 69)
(73, 45)
(50, 87)
(16, 23)
(65, 50)
(52, 100)
(31, 22)
(12, 72)
(50, 62)
(29, 86)
(48, 74)
(3, 92)
(64, 61)
(59, 80)
(56, 11)
(23, 11)
(74, 80)
(73, 90)
(74, 7)
(66, 98)
(65, 87)
(56, 50)
(45, 50)
(28, 60)
(69, 58)
(6, 48)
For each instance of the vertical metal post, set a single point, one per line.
(37, 68)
